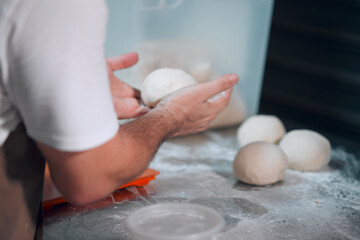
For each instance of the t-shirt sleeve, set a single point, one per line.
(59, 80)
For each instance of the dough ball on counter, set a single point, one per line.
(260, 163)
(265, 128)
(162, 82)
(306, 150)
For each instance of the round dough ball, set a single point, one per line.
(306, 150)
(162, 82)
(265, 128)
(260, 163)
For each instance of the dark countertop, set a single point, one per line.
(198, 169)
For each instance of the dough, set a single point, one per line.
(306, 150)
(162, 82)
(260, 163)
(265, 128)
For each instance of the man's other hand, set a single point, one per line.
(127, 101)
(193, 108)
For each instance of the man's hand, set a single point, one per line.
(193, 108)
(127, 101)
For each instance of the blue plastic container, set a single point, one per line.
(206, 38)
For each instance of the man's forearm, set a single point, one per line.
(142, 138)
(85, 177)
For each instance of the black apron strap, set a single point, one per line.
(21, 185)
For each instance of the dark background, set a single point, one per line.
(312, 73)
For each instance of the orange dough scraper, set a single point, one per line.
(52, 197)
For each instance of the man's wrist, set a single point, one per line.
(171, 118)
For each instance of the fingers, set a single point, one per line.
(123, 61)
(120, 89)
(210, 89)
(221, 100)
(129, 108)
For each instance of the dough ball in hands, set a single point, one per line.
(260, 163)
(265, 128)
(306, 150)
(162, 82)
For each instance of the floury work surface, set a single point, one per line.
(198, 169)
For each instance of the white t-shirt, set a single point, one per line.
(53, 73)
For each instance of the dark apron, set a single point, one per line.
(21, 186)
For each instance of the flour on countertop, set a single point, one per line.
(198, 169)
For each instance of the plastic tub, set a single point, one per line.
(174, 221)
(205, 38)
